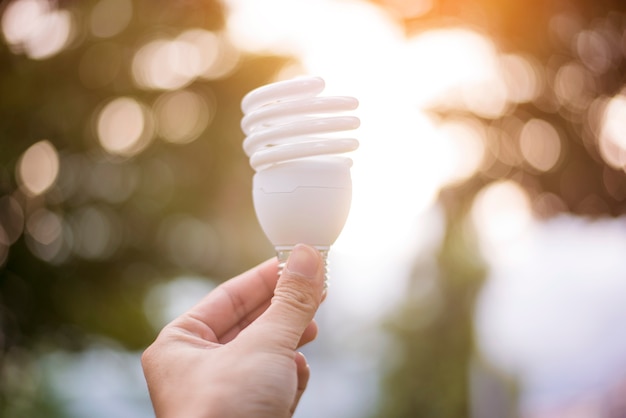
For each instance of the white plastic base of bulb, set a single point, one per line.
(303, 201)
(283, 253)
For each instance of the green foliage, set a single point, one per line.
(108, 215)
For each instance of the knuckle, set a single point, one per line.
(296, 295)
(151, 353)
(147, 355)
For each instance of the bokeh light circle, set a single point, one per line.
(124, 127)
(38, 168)
(540, 144)
(181, 116)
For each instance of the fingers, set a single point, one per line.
(297, 296)
(303, 373)
(233, 305)
(309, 334)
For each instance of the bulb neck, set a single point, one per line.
(283, 253)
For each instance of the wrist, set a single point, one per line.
(209, 404)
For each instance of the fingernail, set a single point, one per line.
(303, 261)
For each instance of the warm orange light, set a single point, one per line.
(409, 9)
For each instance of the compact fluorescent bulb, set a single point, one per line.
(302, 188)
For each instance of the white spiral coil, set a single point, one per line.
(287, 120)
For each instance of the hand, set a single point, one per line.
(234, 353)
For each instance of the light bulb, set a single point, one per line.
(302, 187)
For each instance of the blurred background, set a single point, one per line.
(481, 272)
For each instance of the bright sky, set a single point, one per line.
(551, 314)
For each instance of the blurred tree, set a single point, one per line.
(434, 329)
(577, 52)
(119, 135)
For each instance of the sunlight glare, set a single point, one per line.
(404, 158)
(464, 143)
(356, 44)
(441, 61)
(268, 34)
(501, 214)
(402, 162)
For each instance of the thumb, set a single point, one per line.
(297, 296)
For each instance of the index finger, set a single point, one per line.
(231, 304)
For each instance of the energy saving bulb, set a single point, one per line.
(302, 187)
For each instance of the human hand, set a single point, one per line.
(234, 353)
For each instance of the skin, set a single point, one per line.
(235, 354)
